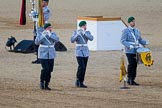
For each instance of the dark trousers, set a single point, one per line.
(132, 66)
(36, 47)
(82, 65)
(47, 68)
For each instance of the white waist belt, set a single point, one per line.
(46, 46)
(81, 45)
(132, 43)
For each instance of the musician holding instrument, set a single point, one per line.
(46, 10)
(46, 54)
(47, 14)
(131, 39)
(81, 37)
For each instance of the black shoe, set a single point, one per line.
(135, 84)
(82, 86)
(130, 82)
(36, 61)
(47, 88)
(42, 85)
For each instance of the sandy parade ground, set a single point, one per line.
(19, 79)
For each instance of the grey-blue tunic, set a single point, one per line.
(81, 51)
(47, 14)
(127, 39)
(46, 52)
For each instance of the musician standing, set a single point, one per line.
(47, 14)
(131, 38)
(46, 54)
(81, 37)
(46, 10)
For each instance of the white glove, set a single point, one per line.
(131, 47)
(49, 33)
(83, 31)
(44, 33)
(79, 32)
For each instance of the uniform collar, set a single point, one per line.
(131, 27)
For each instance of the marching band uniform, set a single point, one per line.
(131, 38)
(81, 38)
(46, 11)
(47, 14)
(46, 54)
